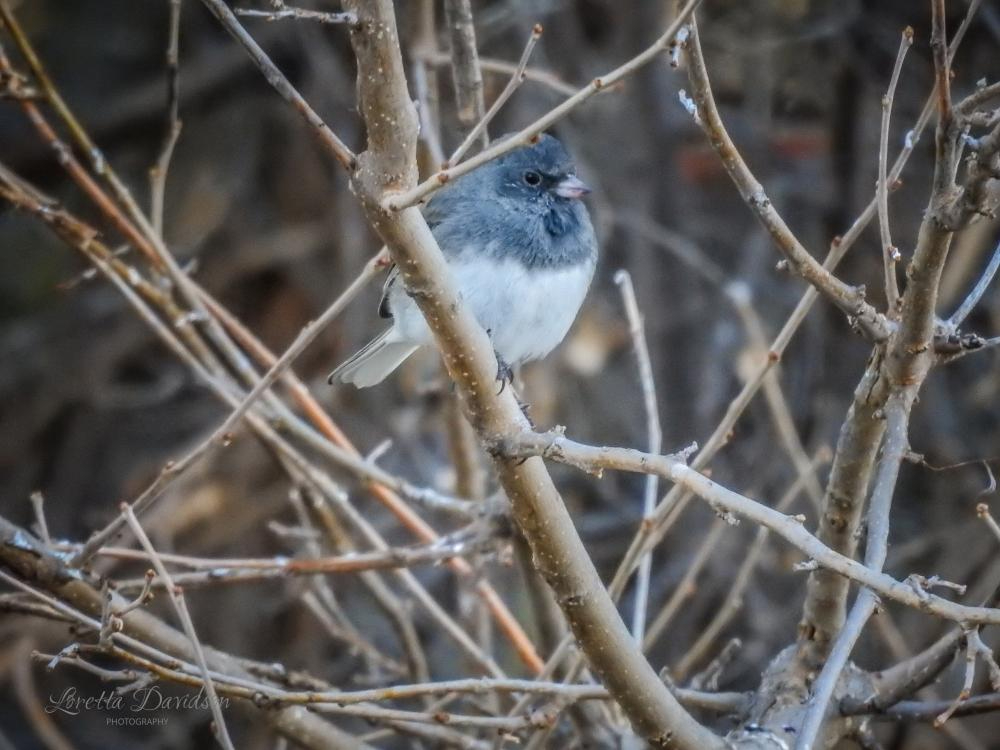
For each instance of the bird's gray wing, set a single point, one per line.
(439, 209)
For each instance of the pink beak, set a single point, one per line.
(571, 186)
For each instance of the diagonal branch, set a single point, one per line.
(389, 165)
(281, 84)
(849, 299)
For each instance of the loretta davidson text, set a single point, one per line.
(72, 702)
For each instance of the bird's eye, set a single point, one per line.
(532, 178)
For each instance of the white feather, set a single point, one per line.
(527, 311)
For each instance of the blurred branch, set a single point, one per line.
(733, 600)
(172, 131)
(200, 357)
(39, 570)
(970, 302)
(465, 65)
(738, 294)
(501, 67)
(212, 571)
(79, 236)
(281, 12)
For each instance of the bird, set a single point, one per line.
(522, 250)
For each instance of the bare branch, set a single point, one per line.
(654, 440)
(387, 166)
(890, 255)
(512, 85)
(277, 79)
(847, 298)
(465, 64)
(970, 302)
(896, 445)
(180, 608)
(397, 201)
(556, 447)
(172, 131)
(33, 566)
(504, 68)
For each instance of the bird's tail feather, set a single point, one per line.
(374, 362)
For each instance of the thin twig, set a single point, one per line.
(212, 572)
(890, 255)
(173, 469)
(172, 131)
(733, 599)
(739, 294)
(983, 511)
(654, 440)
(180, 608)
(849, 299)
(38, 506)
(465, 64)
(504, 68)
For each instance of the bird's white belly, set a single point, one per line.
(526, 311)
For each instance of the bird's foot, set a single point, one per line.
(505, 373)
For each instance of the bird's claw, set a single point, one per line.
(505, 373)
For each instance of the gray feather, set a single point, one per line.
(374, 362)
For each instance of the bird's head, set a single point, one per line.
(542, 173)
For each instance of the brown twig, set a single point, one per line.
(733, 599)
(172, 131)
(503, 68)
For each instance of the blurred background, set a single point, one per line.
(91, 405)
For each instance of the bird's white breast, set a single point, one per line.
(527, 311)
